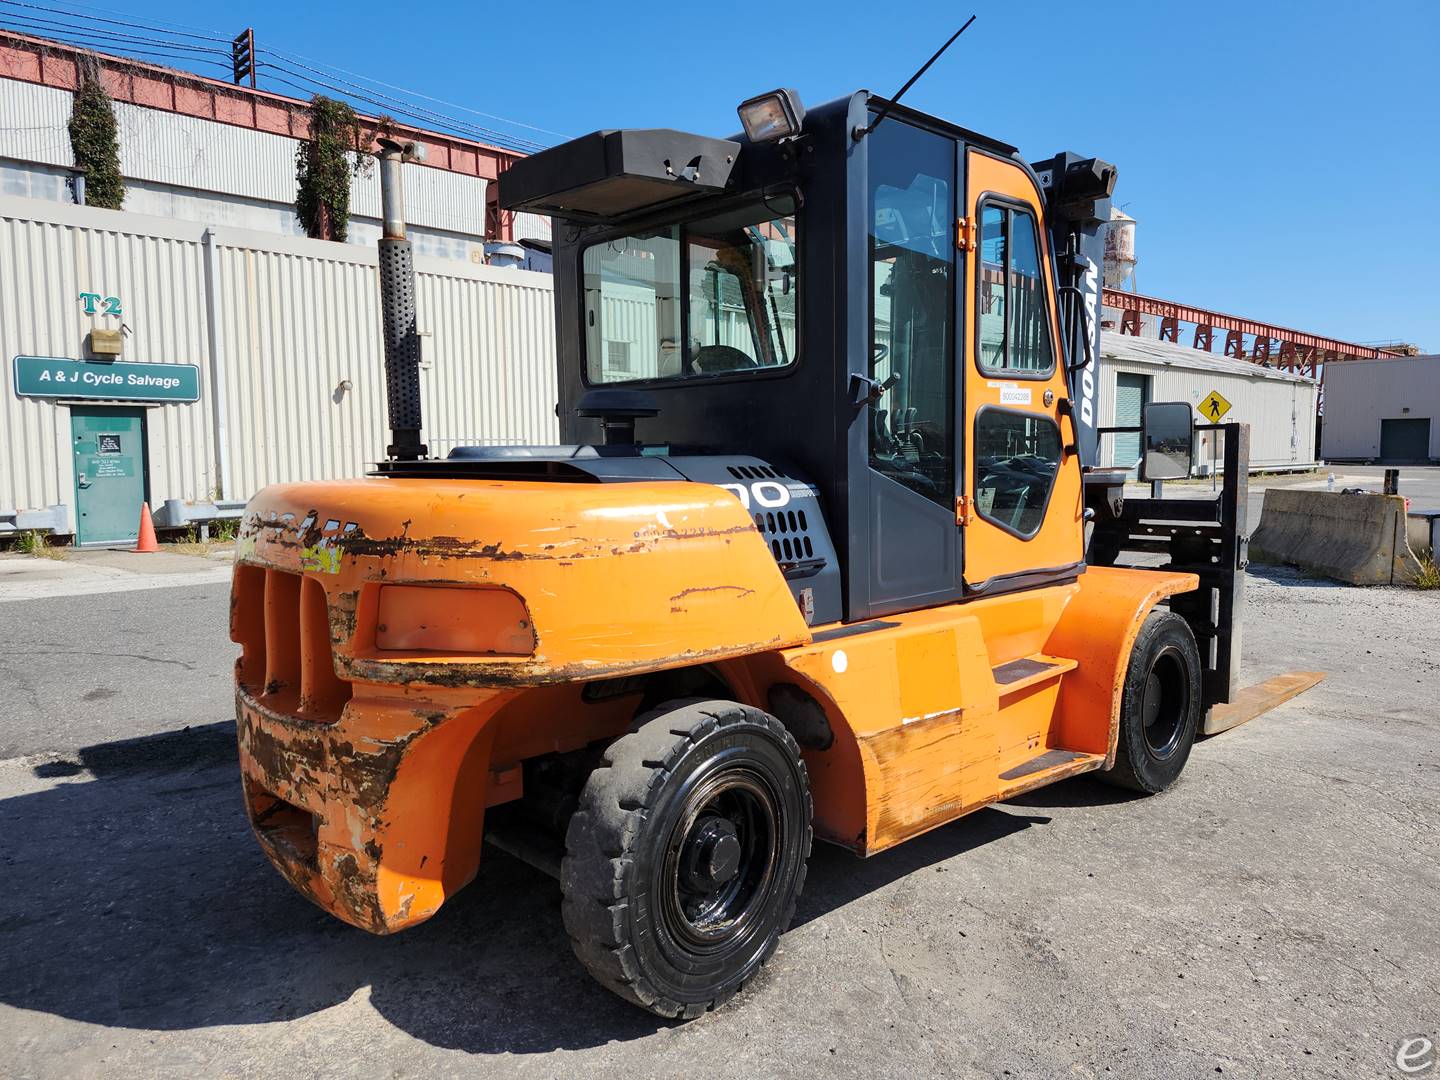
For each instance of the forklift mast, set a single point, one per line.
(1206, 537)
(1077, 204)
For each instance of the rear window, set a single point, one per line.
(715, 296)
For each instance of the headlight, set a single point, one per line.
(442, 619)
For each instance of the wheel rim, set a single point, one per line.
(720, 862)
(1165, 703)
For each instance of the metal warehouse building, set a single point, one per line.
(247, 358)
(1278, 405)
(1386, 411)
(196, 345)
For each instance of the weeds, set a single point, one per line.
(1429, 577)
(32, 542)
(192, 543)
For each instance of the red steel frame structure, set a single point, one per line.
(1294, 350)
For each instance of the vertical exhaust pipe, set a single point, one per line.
(397, 311)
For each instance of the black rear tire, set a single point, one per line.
(1160, 706)
(686, 856)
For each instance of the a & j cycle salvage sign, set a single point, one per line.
(56, 377)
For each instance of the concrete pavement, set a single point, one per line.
(82, 572)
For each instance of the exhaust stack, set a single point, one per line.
(397, 310)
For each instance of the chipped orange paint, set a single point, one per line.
(368, 771)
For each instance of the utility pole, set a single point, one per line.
(242, 57)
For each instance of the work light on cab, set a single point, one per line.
(776, 115)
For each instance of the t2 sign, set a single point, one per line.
(96, 303)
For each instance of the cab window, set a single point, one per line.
(1014, 313)
(1017, 455)
(911, 301)
(707, 297)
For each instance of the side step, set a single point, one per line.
(1050, 759)
(1047, 767)
(1029, 671)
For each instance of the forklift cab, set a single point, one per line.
(874, 316)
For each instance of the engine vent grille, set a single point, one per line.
(754, 472)
(788, 533)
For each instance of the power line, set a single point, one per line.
(131, 22)
(296, 58)
(142, 53)
(386, 103)
(324, 76)
(59, 29)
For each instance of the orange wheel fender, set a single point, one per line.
(1098, 630)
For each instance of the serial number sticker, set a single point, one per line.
(1015, 395)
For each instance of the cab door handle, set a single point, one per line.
(1065, 407)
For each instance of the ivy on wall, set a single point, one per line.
(324, 166)
(95, 141)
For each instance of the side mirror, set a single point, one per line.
(1167, 435)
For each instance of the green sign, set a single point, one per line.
(49, 376)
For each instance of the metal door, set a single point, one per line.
(1405, 441)
(108, 446)
(1132, 392)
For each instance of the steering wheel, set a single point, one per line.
(712, 359)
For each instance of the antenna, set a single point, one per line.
(862, 130)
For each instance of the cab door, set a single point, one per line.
(1020, 497)
(907, 399)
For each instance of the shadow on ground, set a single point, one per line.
(1283, 574)
(139, 899)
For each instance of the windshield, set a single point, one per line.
(708, 297)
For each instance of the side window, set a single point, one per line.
(912, 439)
(1016, 458)
(1014, 316)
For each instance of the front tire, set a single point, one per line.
(686, 856)
(1160, 706)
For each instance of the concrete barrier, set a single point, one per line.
(1356, 538)
(1425, 533)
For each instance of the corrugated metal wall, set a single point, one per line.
(159, 277)
(1278, 406)
(297, 340)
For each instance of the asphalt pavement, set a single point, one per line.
(1272, 915)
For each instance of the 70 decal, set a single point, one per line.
(767, 494)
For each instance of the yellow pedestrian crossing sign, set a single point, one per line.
(1213, 407)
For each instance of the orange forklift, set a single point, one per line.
(811, 560)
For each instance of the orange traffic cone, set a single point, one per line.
(146, 540)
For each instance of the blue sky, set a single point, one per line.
(1282, 159)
